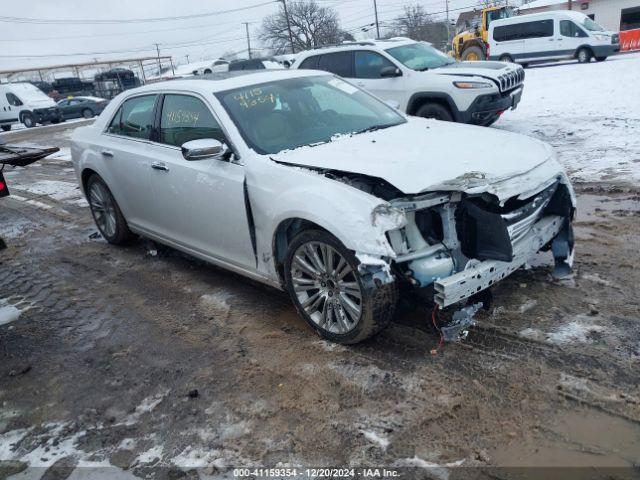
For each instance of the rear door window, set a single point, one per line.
(186, 118)
(134, 118)
(339, 63)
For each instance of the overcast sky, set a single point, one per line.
(206, 34)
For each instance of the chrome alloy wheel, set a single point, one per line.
(326, 287)
(103, 209)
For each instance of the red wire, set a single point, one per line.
(435, 324)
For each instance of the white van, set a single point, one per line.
(26, 103)
(554, 35)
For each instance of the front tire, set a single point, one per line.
(322, 278)
(29, 120)
(584, 55)
(106, 212)
(435, 110)
(506, 58)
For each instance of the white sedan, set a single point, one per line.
(305, 182)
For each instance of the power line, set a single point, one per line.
(130, 20)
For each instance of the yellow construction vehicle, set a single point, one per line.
(470, 42)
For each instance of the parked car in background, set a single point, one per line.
(554, 35)
(26, 103)
(305, 182)
(423, 81)
(112, 82)
(72, 86)
(256, 64)
(77, 107)
(215, 66)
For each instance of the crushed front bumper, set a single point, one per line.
(484, 274)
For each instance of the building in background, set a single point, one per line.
(615, 15)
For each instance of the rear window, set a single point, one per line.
(310, 63)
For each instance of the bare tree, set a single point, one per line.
(417, 24)
(311, 26)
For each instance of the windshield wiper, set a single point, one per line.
(373, 128)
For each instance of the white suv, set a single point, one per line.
(423, 81)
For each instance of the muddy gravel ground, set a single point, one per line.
(144, 362)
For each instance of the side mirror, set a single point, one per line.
(388, 72)
(203, 149)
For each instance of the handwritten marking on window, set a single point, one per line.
(183, 117)
(255, 96)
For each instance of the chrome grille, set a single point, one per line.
(511, 80)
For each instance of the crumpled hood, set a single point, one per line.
(490, 70)
(428, 155)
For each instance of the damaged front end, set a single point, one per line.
(455, 245)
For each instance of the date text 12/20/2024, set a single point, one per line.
(347, 473)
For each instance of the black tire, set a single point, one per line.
(525, 65)
(600, 59)
(5, 128)
(121, 235)
(471, 52)
(378, 302)
(88, 113)
(29, 120)
(584, 55)
(435, 110)
(506, 58)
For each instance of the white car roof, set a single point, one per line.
(368, 44)
(219, 82)
(530, 17)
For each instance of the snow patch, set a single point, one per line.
(579, 330)
(382, 442)
(151, 455)
(192, 457)
(217, 301)
(436, 470)
(528, 305)
(147, 406)
(56, 190)
(8, 313)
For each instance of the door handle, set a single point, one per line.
(107, 153)
(159, 166)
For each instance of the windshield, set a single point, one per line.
(295, 112)
(591, 25)
(420, 56)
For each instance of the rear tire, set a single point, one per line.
(506, 58)
(584, 55)
(106, 212)
(435, 110)
(88, 113)
(473, 54)
(29, 120)
(600, 59)
(5, 128)
(341, 307)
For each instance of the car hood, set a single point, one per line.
(428, 155)
(490, 70)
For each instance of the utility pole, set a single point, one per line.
(286, 14)
(187, 57)
(375, 9)
(448, 27)
(246, 24)
(158, 50)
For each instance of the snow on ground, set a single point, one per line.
(589, 112)
(8, 313)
